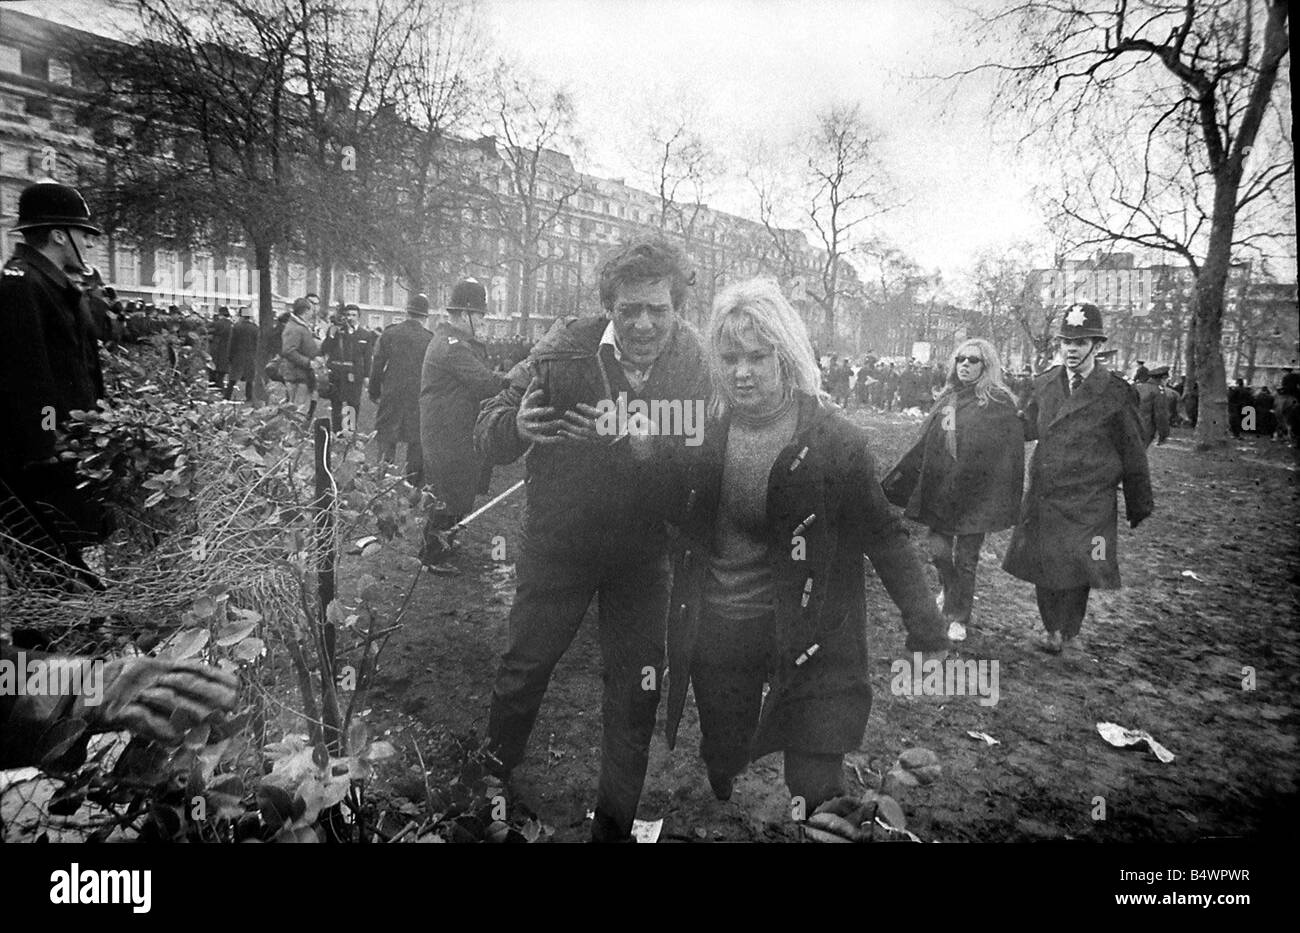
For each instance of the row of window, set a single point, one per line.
(31, 64)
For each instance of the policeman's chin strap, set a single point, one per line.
(1092, 348)
(82, 268)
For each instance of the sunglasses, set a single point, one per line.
(970, 359)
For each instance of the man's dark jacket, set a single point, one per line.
(395, 381)
(49, 357)
(456, 381)
(348, 352)
(243, 349)
(1089, 443)
(594, 501)
(219, 346)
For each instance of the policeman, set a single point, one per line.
(49, 366)
(1085, 419)
(455, 381)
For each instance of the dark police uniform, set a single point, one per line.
(1089, 444)
(49, 366)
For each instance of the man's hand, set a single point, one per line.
(534, 422)
(159, 699)
(579, 425)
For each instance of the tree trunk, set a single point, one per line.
(265, 315)
(527, 291)
(326, 282)
(1211, 283)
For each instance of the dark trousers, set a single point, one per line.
(1062, 610)
(414, 461)
(728, 671)
(341, 401)
(550, 601)
(956, 557)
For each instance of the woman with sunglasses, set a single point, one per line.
(964, 476)
(780, 507)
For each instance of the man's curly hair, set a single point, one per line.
(645, 260)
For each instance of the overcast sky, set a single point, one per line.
(764, 68)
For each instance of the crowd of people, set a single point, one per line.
(732, 557)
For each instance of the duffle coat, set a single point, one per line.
(825, 511)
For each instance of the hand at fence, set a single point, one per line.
(159, 699)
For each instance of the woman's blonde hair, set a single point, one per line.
(989, 385)
(757, 306)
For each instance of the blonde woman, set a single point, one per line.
(964, 476)
(781, 506)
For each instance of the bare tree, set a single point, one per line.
(678, 164)
(899, 297)
(425, 191)
(536, 182)
(1007, 301)
(217, 128)
(1162, 104)
(840, 187)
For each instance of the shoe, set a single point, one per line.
(1051, 643)
(956, 632)
(722, 785)
(1070, 645)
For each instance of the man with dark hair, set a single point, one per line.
(219, 333)
(347, 346)
(49, 366)
(395, 387)
(596, 504)
(243, 355)
(1238, 398)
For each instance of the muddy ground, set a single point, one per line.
(1210, 595)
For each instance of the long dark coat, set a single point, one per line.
(979, 489)
(243, 349)
(1153, 412)
(825, 480)
(219, 344)
(455, 383)
(1089, 443)
(395, 381)
(48, 356)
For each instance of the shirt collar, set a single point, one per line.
(637, 376)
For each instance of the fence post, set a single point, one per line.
(326, 559)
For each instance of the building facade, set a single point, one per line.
(1148, 309)
(533, 278)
